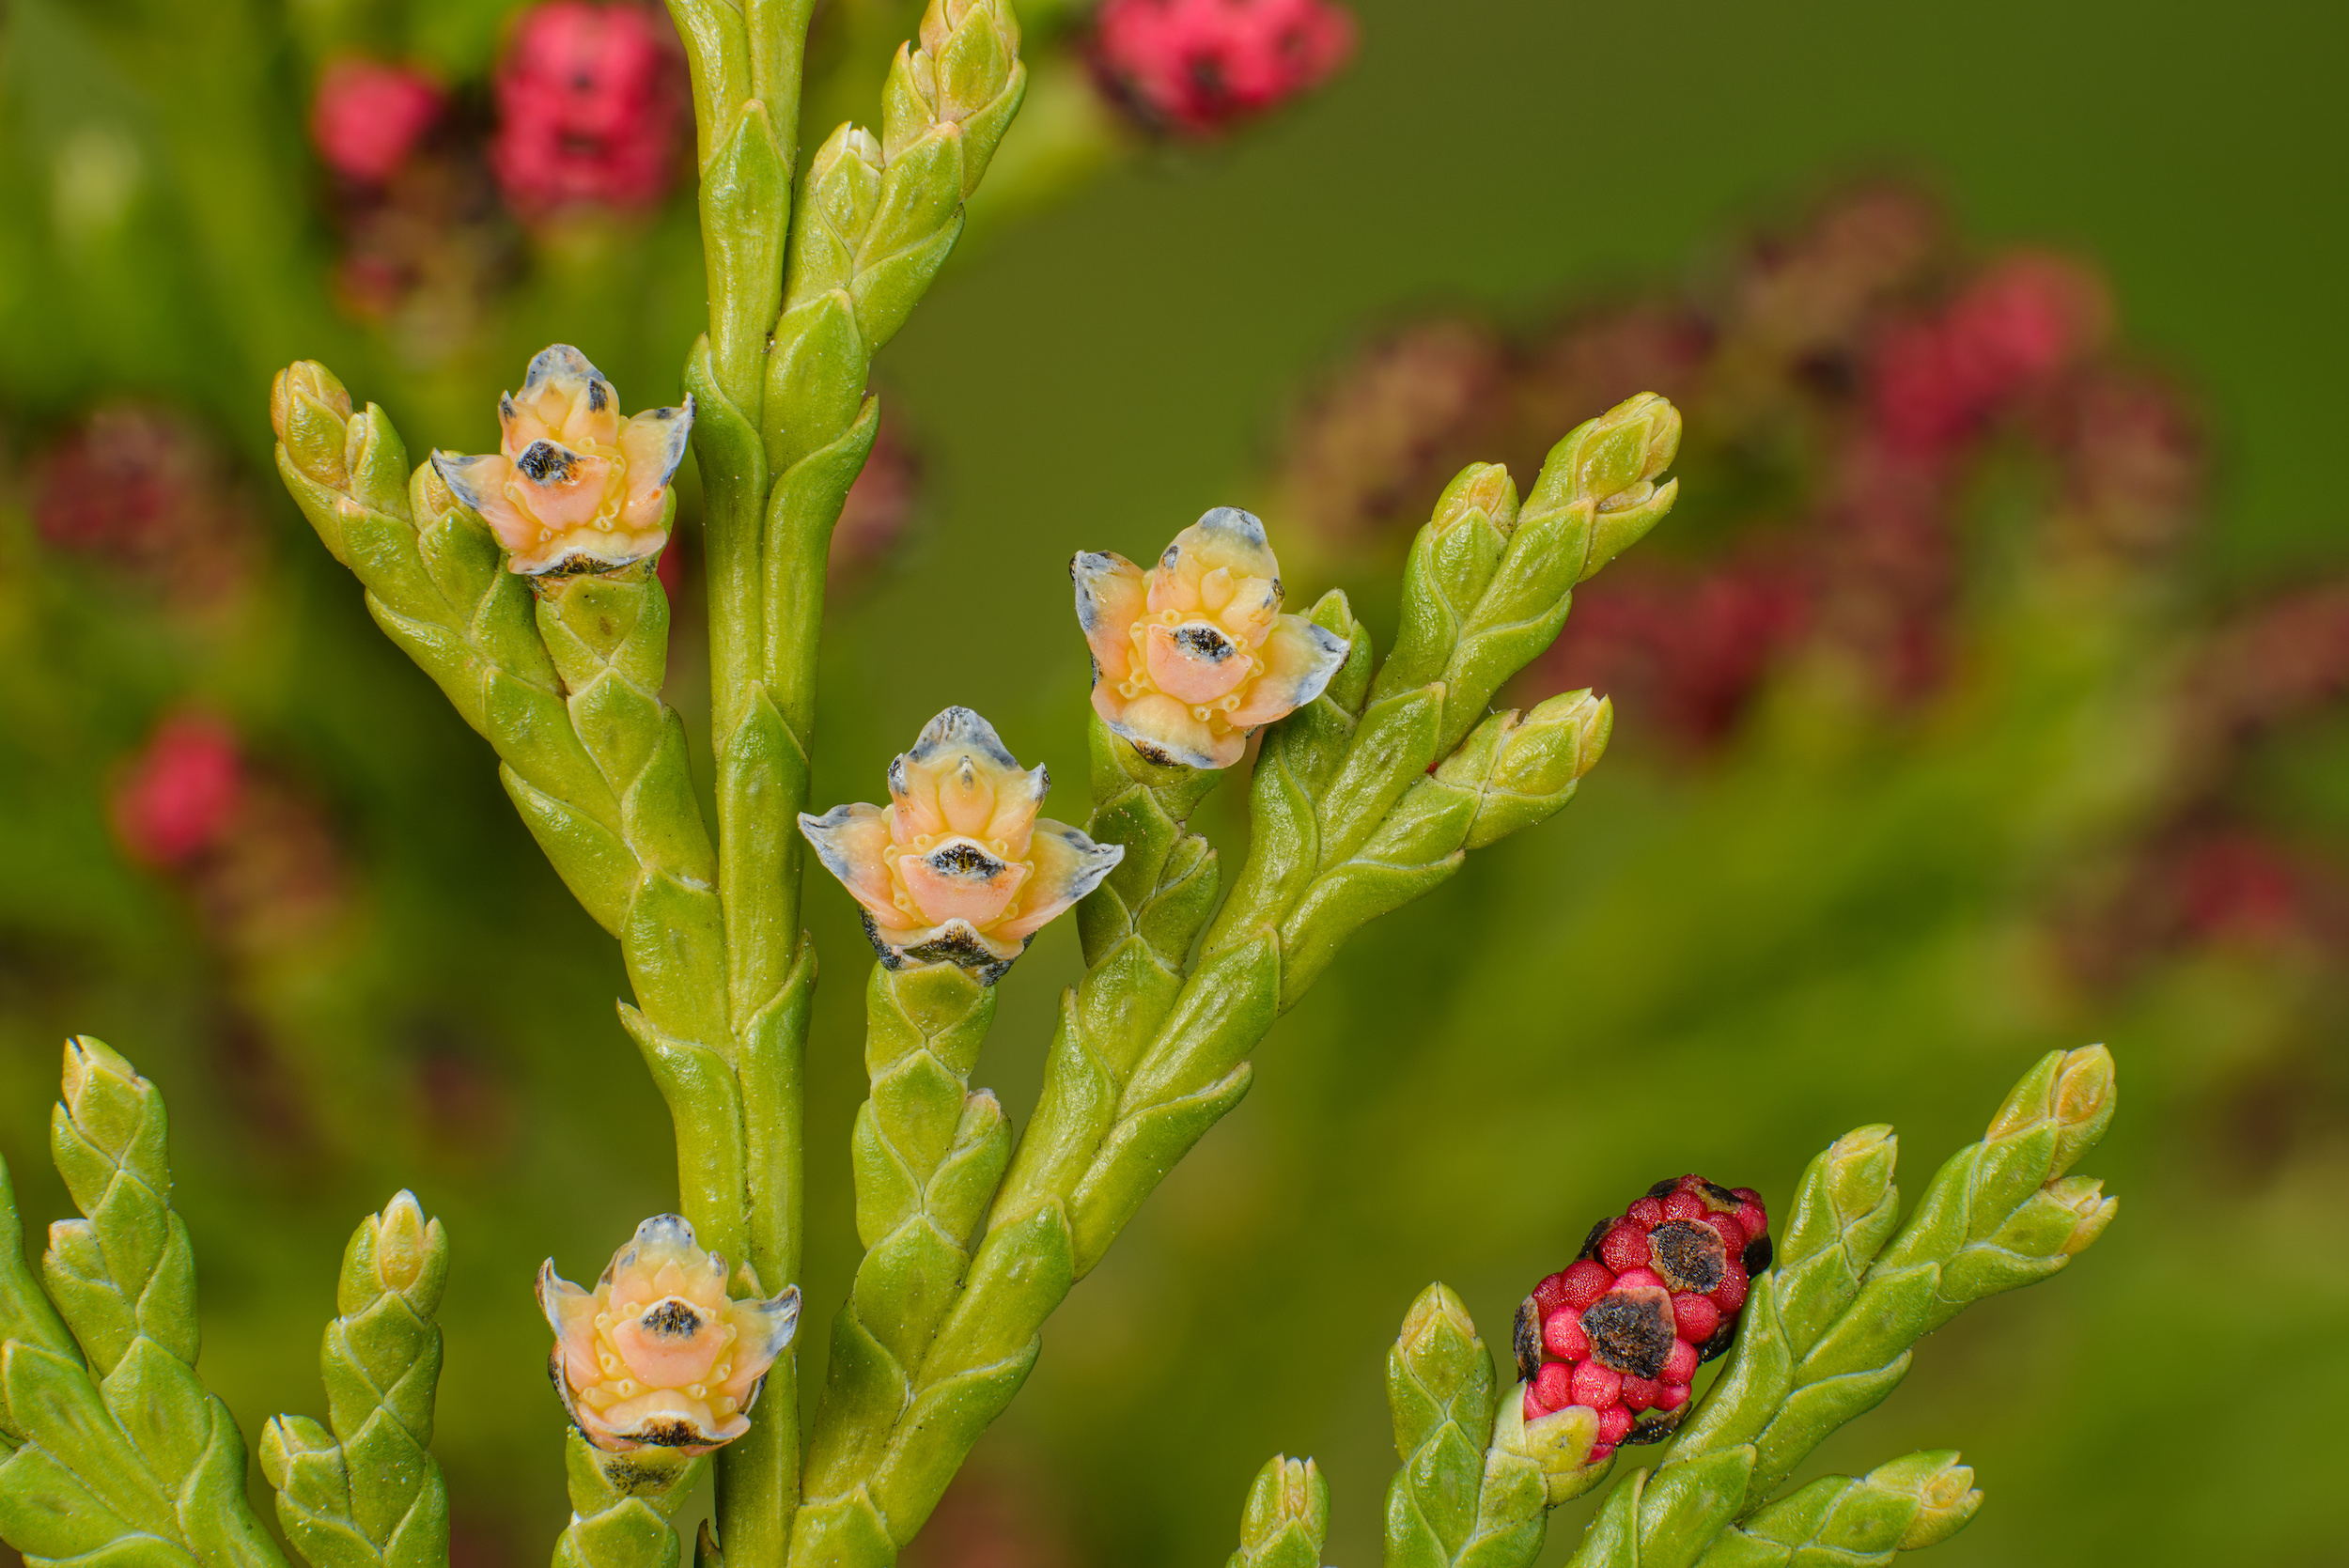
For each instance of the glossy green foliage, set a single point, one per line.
(879, 216)
(115, 1450)
(562, 678)
(363, 1490)
(927, 1152)
(1348, 825)
(565, 683)
(1835, 1521)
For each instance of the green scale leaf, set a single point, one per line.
(362, 1491)
(120, 1456)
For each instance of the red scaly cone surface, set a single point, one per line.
(1652, 1295)
(1198, 67)
(592, 111)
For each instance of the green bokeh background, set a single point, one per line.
(1719, 971)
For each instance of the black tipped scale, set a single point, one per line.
(1630, 1331)
(1654, 1427)
(672, 1319)
(1689, 1256)
(1526, 1338)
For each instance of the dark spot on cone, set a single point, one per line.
(1204, 642)
(1527, 1338)
(966, 859)
(669, 1433)
(1757, 1255)
(1590, 1243)
(1723, 1337)
(1665, 1188)
(1631, 1330)
(1718, 1198)
(674, 1319)
(1689, 1256)
(546, 463)
(958, 945)
(1149, 751)
(1654, 1427)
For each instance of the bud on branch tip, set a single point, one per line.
(958, 867)
(571, 486)
(1194, 654)
(1611, 464)
(657, 1355)
(310, 410)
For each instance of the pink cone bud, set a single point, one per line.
(368, 115)
(181, 792)
(144, 490)
(1196, 68)
(573, 487)
(1622, 1331)
(657, 1355)
(590, 108)
(2013, 327)
(1193, 655)
(958, 867)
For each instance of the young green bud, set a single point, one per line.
(1945, 1493)
(966, 79)
(1536, 763)
(1858, 1177)
(843, 188)
(1480, 496)
(1845, 1210)
(1286, 1519)
(2095, 1211)
(968, 74)
(1609, 465)
(1439, 1370)
(1614, 460)
(398, 1252)
(2058, 1221)
(972, 45)
(308, 409)
(2075, 1090)
(1910, 1504)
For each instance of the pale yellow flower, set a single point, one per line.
(657, 1355)
(958, 867)
(1194, 654)
(573, 487)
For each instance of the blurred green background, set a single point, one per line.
(1720, 965)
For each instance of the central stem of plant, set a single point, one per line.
(746, 65)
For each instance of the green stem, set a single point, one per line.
(778, 34)
(747, 67)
